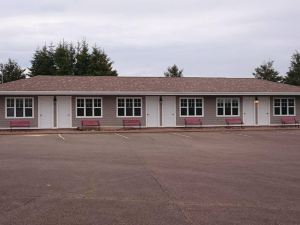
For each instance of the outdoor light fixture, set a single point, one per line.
(54, 99)
(256, 100)
(160, 99)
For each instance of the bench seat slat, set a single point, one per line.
(193, 121)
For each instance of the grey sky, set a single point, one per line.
(143, 37)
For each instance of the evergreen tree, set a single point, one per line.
(43, 62)
(82, 59)
(67, 60)
(293, 75)
(173, 71)
(267, 72)
(100, 64)
(64, 59)
(11, 71)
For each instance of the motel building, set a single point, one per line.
(55, 102)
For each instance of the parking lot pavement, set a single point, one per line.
(228, 177)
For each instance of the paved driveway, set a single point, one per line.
(233, 177)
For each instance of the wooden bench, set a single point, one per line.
(233, 121)
(19, 123)
(192, 121)
(131, 123)
(90, 123)
(289, 120)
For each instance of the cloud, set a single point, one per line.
(223, 38)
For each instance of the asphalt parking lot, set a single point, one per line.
(229, 177)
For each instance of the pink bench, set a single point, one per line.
(192, 121)
(234, 121)
(131, 123)
(289, 120)
(19, 123)
(90, 123)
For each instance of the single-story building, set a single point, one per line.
(64, 101)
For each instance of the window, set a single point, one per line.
(228, 107)
(127, 107)
(19, 107)
(284, 107)
(88, 107)
(191, 106)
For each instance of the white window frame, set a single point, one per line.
(231, 98)
(85, 98)
(117, 106)
(287, 98)
(194, 98)
(15, 107)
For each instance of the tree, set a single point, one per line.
(293, 75)
(174, 71)
(43, 62)
(267, 72)
(100, 64)
(64, 59)
(82, 58)
(11, 71)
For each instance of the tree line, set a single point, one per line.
(67, 59)
(266, 71)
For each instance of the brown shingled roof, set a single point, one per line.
(145, 84)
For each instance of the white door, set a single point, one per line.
(45, 111)
(152, 111)
(264, 111)
(64, 112)
(249, 111)
(168, 111)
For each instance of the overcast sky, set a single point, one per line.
(143, 37)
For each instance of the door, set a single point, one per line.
(263, 111)
(168, 111)
(64, 112)
(152, 111)
(249, 111)
(45, 112)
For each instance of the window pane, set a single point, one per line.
(120, 102)
(199, 111)
(19, 112)
(121, 112)
(235, 111)
(227, 111)
(97, 102)
(284, 110)
(28, 102)
(277, 111)
(291, 102)
(80, 111)
(183, 102)
(137, 102)
(28, 112)
(277, 102)
(89, 112)
(191, 111)
(10, 112)
(291, 111)
(235, 103)
(220, 102)
(89, 103)
(129, 111)
(137, 111)
(183, 111)
(19, 103)
(129, 103)
(97, 112)
(10, 102)
(80, 102)
(198, 102)
(220, 112)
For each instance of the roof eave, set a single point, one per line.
(137, 93)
